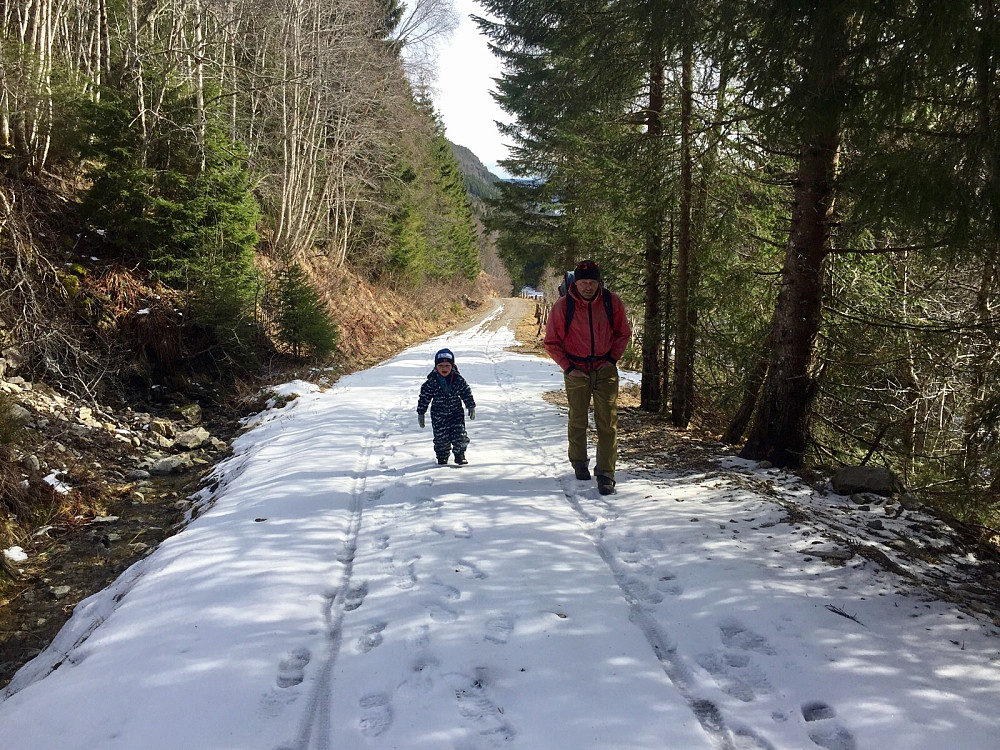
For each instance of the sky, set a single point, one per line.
(341, 590)
(465, 69)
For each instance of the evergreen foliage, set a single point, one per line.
(193, 224)
(303, 322)
(433, 231)
(881, 118)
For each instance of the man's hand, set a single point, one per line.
(577, 373)
(472, 413)
(420, 420)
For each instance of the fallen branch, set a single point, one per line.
(842, 613)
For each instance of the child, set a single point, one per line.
(447, 389)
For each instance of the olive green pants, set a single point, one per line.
(601, 387)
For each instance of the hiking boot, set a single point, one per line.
(460, 459)
(581, 471)
(442, 460)
(605, 485)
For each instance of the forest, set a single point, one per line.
(232, 170)
(798, 201)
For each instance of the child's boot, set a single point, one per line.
(460, 459)
(443, 459)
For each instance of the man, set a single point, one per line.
(587, 333)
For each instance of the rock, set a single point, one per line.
(162, 427)
(909, 502)
(13, 358)
(193, 438)
(137, 474)
(190, 413)
(18, 413)
(171, 464)
(875, 525)
(60, 592)
(857, 479)
(31, 463)
(160, 441)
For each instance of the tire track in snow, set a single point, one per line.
(594, 522)
(314, 730)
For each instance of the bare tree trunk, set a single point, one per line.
(780, 431)
(652, 336)
(683, 387)
(199, 81)
(907, 373)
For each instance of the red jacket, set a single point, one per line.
(591, 339)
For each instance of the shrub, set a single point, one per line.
(303, 322)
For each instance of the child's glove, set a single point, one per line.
(472, 413)
(420, 420)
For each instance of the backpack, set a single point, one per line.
(568, 278)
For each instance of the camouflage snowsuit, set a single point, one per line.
(445, 396)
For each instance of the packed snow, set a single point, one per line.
(341, 590)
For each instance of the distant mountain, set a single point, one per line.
(479, 181)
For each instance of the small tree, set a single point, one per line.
(303, 323)
(185, 208)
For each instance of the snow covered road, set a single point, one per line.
(344, 591)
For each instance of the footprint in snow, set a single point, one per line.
(735, 674)
(738, 636)
(447, 591)
(460, 530)
(468, 569)
(499, 628)
(376, 714)
(440, 613)
(641, 591)
(355, 596)
(823, 730)
(419, 638)
(372, 637)
(420, 677)
(475, 706)
(667, 584)
(403, 574)
(291, 669)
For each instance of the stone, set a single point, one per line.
(160, 441)
(171, 464)
(857, 479)
(190, 413)
(18, 413)
(162, 427)
(193, 438)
